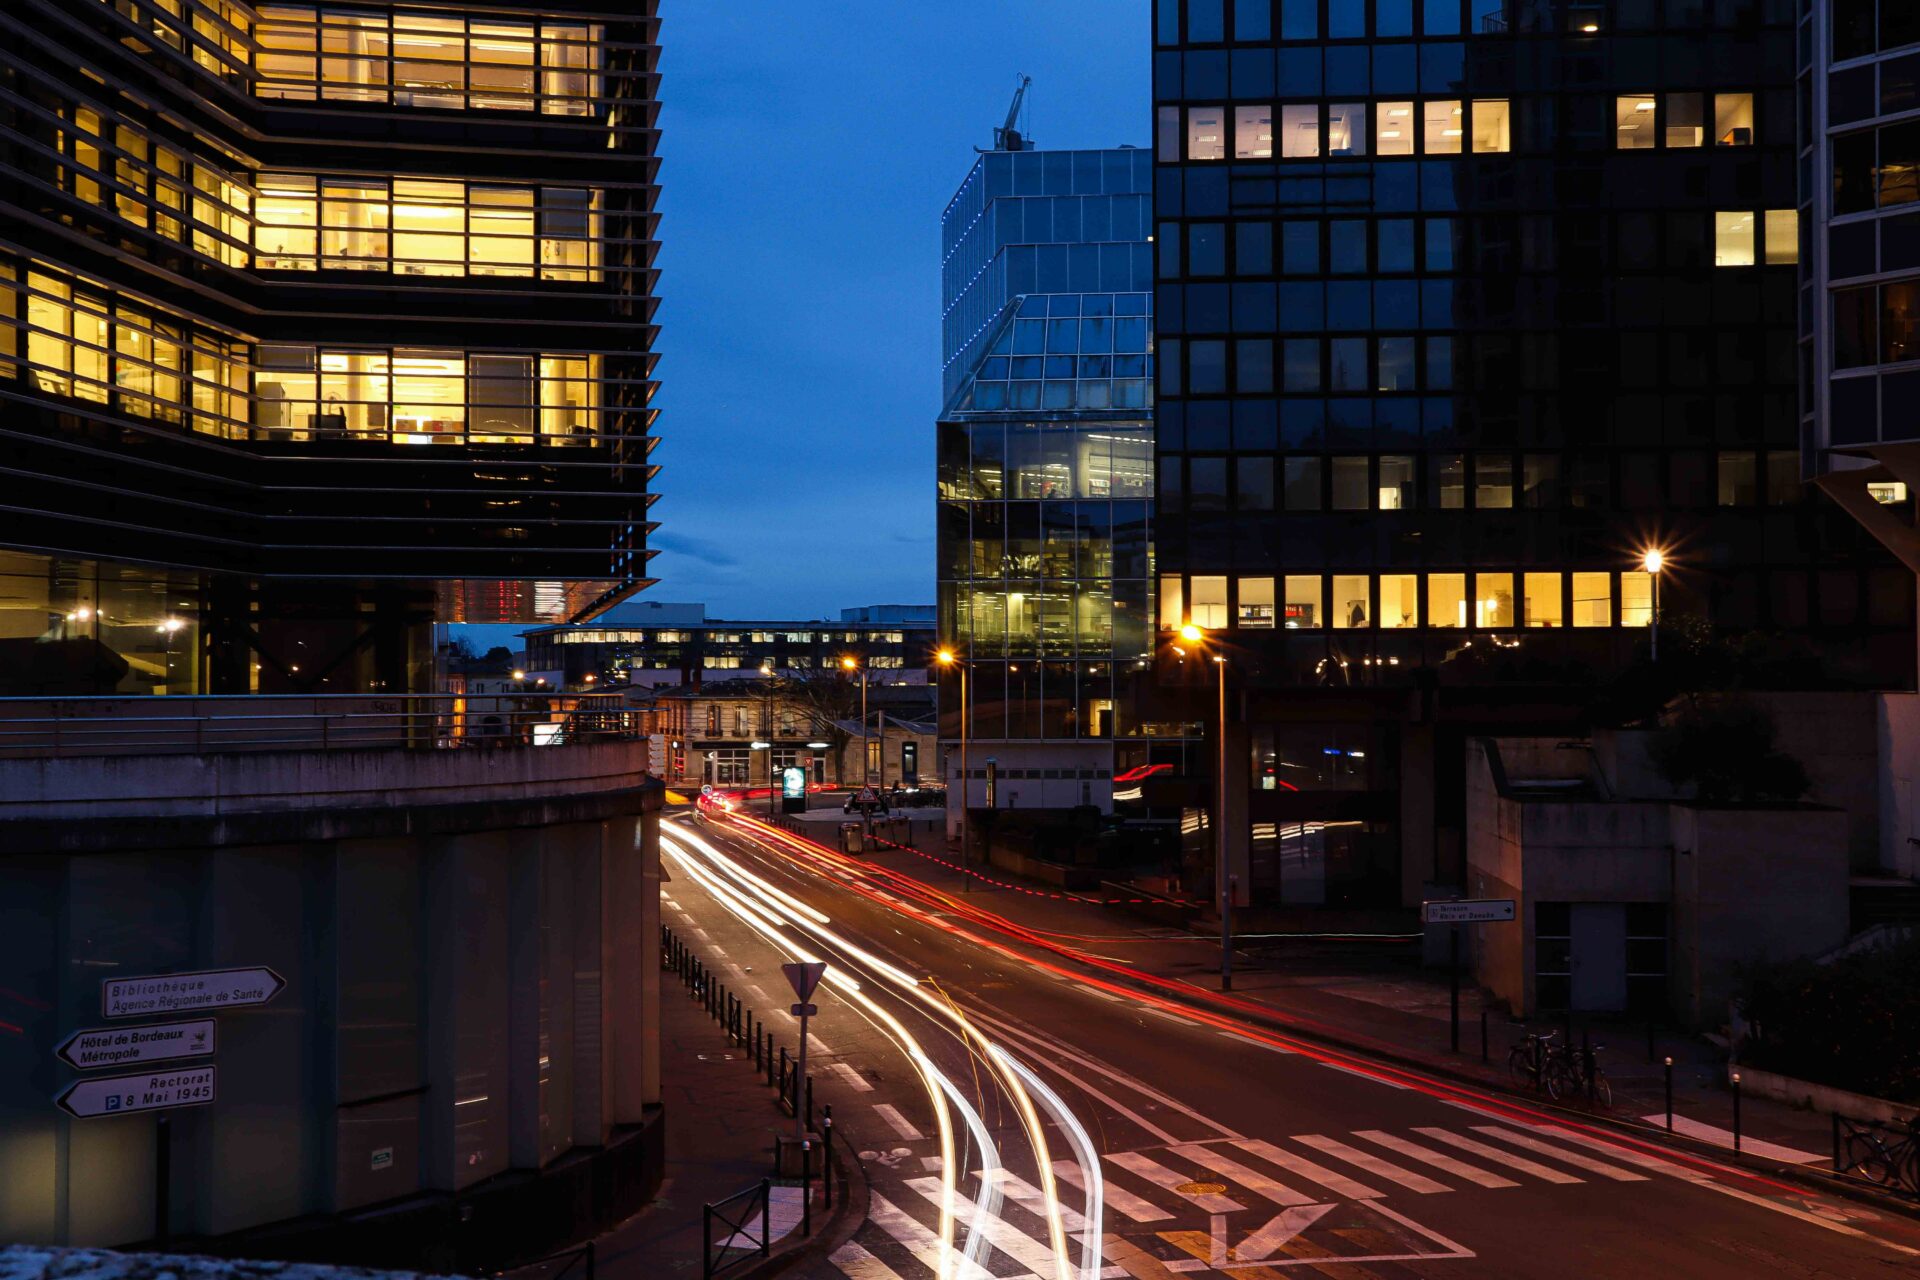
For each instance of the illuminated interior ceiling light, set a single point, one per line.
(1645, 104)
(1450, 133)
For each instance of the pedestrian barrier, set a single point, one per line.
(736, 1216)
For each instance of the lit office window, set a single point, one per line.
(1491, 131)
(1446, 600)
(1633, 128)
(1347, 129)
(1300, 130)
(1208, 608)
(1173, 602)
(1782, 237)
(1252, 133)
(1636, 598)
(1733, 239)
(1393, 129)
(1255, 606)
(1351, 606)
(1733, 119)
(1396, 484)
(1493, 600)
(1686, 120)
(1443, 122)
(1399, 600)
(1206, 133)
(1301, 610)
(1541, 605)
(1592, 599)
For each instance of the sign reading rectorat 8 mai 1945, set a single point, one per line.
(189, 992)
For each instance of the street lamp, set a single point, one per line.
(850, 663)
(1653, 561)
(766, 712)
(1197, 636)
(948, 658)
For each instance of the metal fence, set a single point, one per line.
(735, 1218)
(41, 727)
(1885, 1155)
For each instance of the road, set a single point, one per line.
(1021, 1116)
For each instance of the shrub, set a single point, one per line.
(1850, 1024)
(1723, 750)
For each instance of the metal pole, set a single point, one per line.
(1226, 881)
(826, 1151)
(806, 1181)
(1736, 1112)
(163, 1179)
(1453, 982)
(799, 1074)
(966, 834)
(1669, 1074)
(1653, 628)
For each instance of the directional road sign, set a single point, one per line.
(1468, 911)
(189, 992)
(128, 1046)
(155, 1091)
(804, 977)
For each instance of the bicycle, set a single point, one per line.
(1888, 1164)
(1528, 1058)
(1566, 1072)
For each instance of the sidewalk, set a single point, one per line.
(1378, 998)
(721, 1119)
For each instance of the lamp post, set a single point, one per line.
(766, 710)
(851, 663)
(1654, 561)
(947, 658)
(1223, 883)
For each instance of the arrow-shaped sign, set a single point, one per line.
(804, 977)
(128, 1046)
(189, 992)
(155, 1091)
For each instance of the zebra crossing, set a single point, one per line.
(1235, 1203)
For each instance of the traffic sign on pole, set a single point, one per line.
(1468, 911)
(804, 1010)
(804, 977)
(129, 1046)
(117, 1095)
(189, 992)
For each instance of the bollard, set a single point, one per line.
(826, 1152)
(1669, 1072)
(1736, 1113)
(783, 1074)
(806, 1186)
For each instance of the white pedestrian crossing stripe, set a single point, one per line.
(854, 1080)
(1156, 1190)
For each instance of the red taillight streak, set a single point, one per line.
(1505, 1108)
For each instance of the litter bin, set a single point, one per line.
(851, 838)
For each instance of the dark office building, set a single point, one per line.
(1463, 306)
(317, 326)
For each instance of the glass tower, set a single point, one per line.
(1045, 463)
(1462, 306)
(317, 326)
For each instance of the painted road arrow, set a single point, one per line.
(129, 1046)
(154, 1091)
(189, 992)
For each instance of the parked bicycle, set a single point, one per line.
(1886, 1155)
(1529, 1057)
(1567, 1075)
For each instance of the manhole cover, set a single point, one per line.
(1202, 1188)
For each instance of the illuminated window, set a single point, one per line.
(1443, 123)
(1173, 602)
(1396, 483)
(1636, 598)
(1300, 130)
(1493, 600)
(1686, 120)
(1347, 129)
(1350, 607)
(1255, 606)
(1446, 599)
(1592, 599)
(1490, 125)
(1733, 119)
(1633, 128)
(1208, 608)
(1252, 132)
(1783, 236)
(286, 222)
(1733, 239)
(1206, 133)
(1399, 600)
(1887, 492)
(1541, 606)
(1301, 609)
(1393, 129)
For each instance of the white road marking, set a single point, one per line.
(1252, 1179)
(1391, 1084)
(899, 1123)
(719, 950)
(1498, 1156)
(1371, 1163)
(1338, 1183)
(758, 993)
(1724, 1138)
(1578, 1161)
(1001, 1234)
(1259, 1245)
(1161, 1176)
(922, 1243)
(856, 1263)
(1028, 1197)
(1114, 1197)
(1438, 1159)
(854, 1079)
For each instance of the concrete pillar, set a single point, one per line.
(589, 1067)
(529, 917)
(653, 801)
(625, 946)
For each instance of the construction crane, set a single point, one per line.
(1007, 137)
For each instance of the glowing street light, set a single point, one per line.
(948, 658)
(1653, 560)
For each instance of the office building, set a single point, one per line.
(1463, 306)
(1045, 463)
(317, 326)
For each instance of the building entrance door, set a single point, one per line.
(1599, 954)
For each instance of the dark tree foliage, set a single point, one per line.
(1853, 1024)
(1722, 751)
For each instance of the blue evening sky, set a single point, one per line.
(807, 152)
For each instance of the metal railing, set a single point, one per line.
(38, 728)
(735, 1215)
(1885, 1155)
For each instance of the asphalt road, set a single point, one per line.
(988, 1082)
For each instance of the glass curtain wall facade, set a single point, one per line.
(1046, 459)
(318, 325)
(1860, 302)
(1461, 306)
